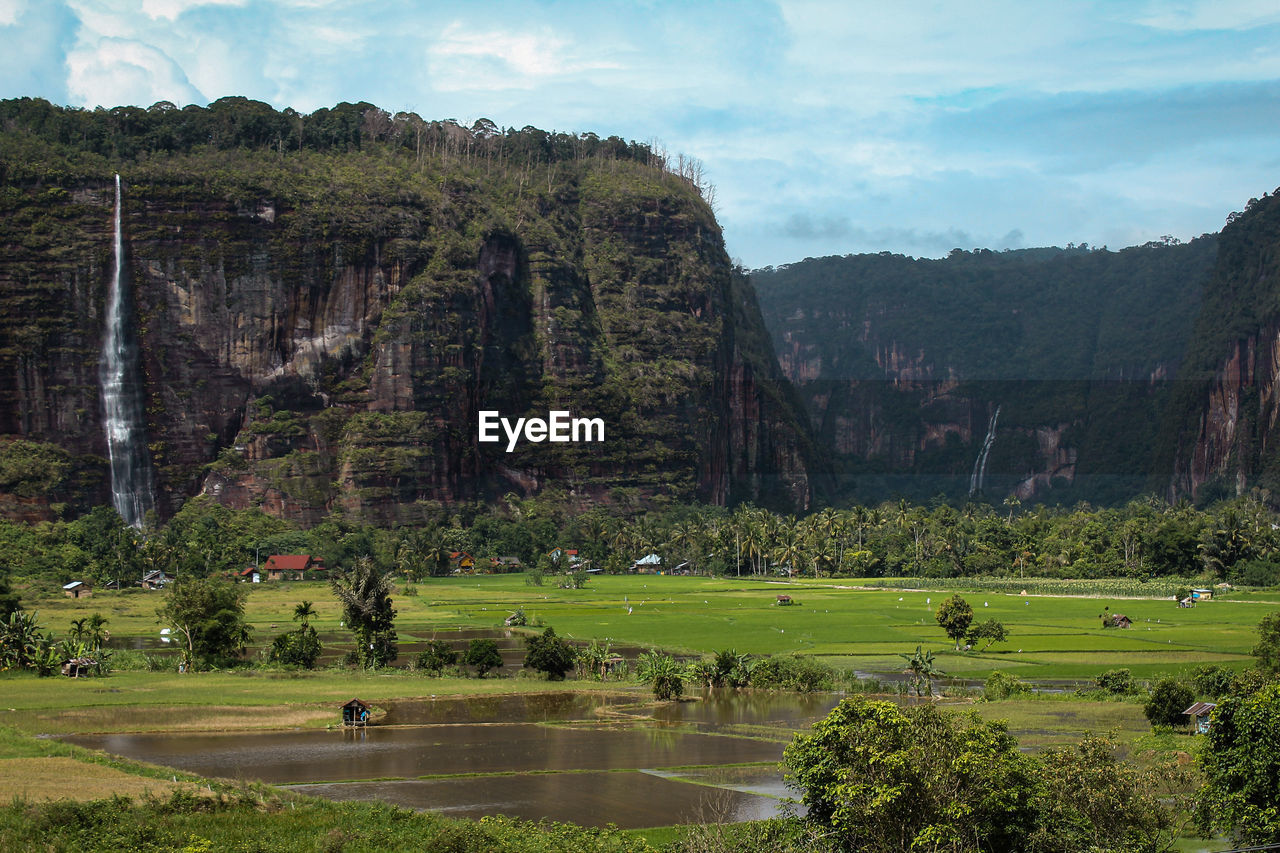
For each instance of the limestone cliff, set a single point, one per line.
(320, 326)
(902, 364)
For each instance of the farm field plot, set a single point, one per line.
(1051, 637)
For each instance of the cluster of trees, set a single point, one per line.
(1236, 541)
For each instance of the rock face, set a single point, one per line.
(902, 364)
(1221, 439)
(319, 333)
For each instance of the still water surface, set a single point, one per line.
(599, 759)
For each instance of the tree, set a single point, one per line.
(296, 648)
(365, 594)
(1241, 764)
(955, 615)
(303, 612)
(436, 656)
(1268, 649)
(1169, 698)
(208, 618)
(550, 654)
(483, 655)
(923, 670)
(1094, 801)
(991, 630)
(885, 779)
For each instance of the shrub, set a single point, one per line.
(483, 655)
(296, 648)
(1169, 698)
(436, 657)
(1116, 681)
(795, 672)
(550, 654)
(1001, 685)
(1212, 681)
(661, 672)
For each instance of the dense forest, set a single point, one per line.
(1146, 541)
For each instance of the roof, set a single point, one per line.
(158, 573)
(651, 560)
(248, 571)
(1199, 709)
(355, 702)
(73, 584)
(290, 562)
(457, 554)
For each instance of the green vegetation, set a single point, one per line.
(207, 618)
(549, 654)
(365, 593)
(1241, 765)
(483, 655)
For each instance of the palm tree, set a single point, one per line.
(303, 612)
(97, 636)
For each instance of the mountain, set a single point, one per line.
(1041, 373)
(1221, 438)
(325, 302)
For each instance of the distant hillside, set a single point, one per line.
(903, 364)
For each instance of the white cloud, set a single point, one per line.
(170, 10)
(1214, 15)
(10, 10)
(116, 71)
(463, 59)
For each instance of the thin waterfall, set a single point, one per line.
(122, 396)
(979, 476)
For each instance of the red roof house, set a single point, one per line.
(294, 567)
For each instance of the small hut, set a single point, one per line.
(1116, 620)
(1199, 714)
(784, 601)
(77, 589)
(355, 713)
(76, 667)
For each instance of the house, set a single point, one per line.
(462, 562)
(1116, 620)
(1202, 594)
(564, 558)
(647, 565)
(1200, 717)
(784, 601)
(355, 713)
(505, 564)
(155, 580)
(249, 575)
(294, 567)
(77, 589)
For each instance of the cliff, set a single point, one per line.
(1221, 439)
(326, 302)
(903, 364)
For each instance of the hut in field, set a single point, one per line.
(784, 601)
(1200, 717)
(1116, 620)
(76, 667)
(355, 713)
(77, 589)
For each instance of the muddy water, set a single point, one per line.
(381, 752)
(629, 800)
(601, 758)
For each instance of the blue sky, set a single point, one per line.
(828, 127)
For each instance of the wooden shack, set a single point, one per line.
(1200, 717)
(355, 713)
(77, 589)
(76, 667)
(784, 600)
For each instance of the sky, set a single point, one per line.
(828, 127)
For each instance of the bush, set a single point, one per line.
(296, 648)
(1213, 682)
(663, 673)
(1169, 698)
(1001, 685)
(550, 654)
(436, 657)
(795, 672)
(1116, 681)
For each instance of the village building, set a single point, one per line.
(462, 562)
(155, 580)
(1200, 717)
(784, 601)
(294, 567)
(355, 713)
(647, 565)
(505, 564)
(77, 589)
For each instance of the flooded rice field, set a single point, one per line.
(587, 758)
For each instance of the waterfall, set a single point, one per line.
(122, 396)
(979, 475)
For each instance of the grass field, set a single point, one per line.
(1051, 637)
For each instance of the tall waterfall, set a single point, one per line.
(979, 475)
(122, 396)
